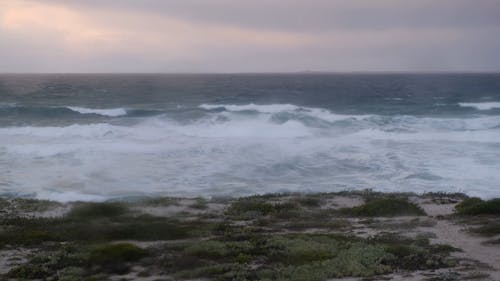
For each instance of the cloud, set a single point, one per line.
(314, 15)
(93, 30)
(243, 35)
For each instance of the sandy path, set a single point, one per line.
(455, 235)
(452, 234)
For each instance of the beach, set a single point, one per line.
(357, 235)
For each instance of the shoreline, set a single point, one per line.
(351, 235)
(73, 197)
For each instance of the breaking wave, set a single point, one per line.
(112, 112)
(481, 105)
(248, 149)
(33, 113)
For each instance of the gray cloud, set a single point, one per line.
(316, 15)
(271, 35)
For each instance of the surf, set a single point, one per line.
(246, 149)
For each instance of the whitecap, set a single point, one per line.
(265, 108)
(480, 105)
(112, 112)
(244, 154)
(319, 113)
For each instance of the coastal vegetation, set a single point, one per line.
(270, 237)
(476, 206)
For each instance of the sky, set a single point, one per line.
(249, 35)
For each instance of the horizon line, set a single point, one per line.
(256, 72)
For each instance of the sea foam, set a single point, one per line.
(481, 105)
(113, 112)
(276, 148)
(265, 108)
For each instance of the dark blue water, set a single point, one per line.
(91, 137)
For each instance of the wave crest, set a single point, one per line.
(480, 105)
(230, 151)
(112, 112)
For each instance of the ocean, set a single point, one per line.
(94, 137)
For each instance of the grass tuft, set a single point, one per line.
(475, 206)
(385, 207)
(121, 252)
(98, 210)
(309, 201)
(115, 257)
(490, 229)
(200, 204)
(28, 271)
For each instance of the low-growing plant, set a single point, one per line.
(121, 252)
(28, 271)
(385, 207)
(490, 229)
(200, 204)
(116, 257)
(97, 210)
(309, 201)
(476, 206)
(255, 207)
(250, 206)
(159, 201)
(208, 249)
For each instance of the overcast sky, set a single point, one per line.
(249, 35)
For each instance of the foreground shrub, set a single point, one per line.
(97, 210)
(476, 206)
(122, 252)
(115, 257)
(28, 271)
(254, 207)
(385, 207)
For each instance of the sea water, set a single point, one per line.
(95, 137)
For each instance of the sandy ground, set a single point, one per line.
(451, 233)
(12, 257)
(477, 261)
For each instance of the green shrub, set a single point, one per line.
(71, 273)
(208, 249)
(98, 210)
(28, 271)
(30, 231)
(160, 201)
(385, 207)
(490, 229)
(26, 237)
(121, 252)
(309, 201)
(115, 257)
(255, 207)
(301, 249)
(476, 206)
(200, 204)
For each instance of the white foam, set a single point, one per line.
(240, 127)
(112, 112)
(229, 153)
(318, 113)
(422, 124)
(91, 131)
(70, 196)
(492, 137)
(267, 108)
(481, 105)
(7, 105)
